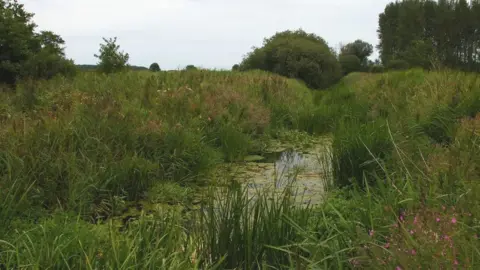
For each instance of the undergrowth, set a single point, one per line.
(405, 159)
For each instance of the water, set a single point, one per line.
(304, 172)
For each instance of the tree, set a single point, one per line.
(397, 64)
(154, 67)
(361, 49)
(350, 63)
(296, 54)
(191, 67)
(445, 31)
(111, 59)
(235, 67)
(25, 53)
(419, 54)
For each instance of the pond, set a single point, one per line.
(305, 171)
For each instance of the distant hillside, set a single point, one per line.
(93, 67)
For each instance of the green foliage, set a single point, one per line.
(111, 59)
(398, 64)
(359, 150)
(442, 33)
(28, 54)
(190, 68)
(360, 49)
(350, 63)
(236, 67)
(154, 67)
(376, 69)
(296, 54)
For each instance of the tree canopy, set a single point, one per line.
(361, 49)
(154, 67)
(428, 32)
(26, 53)
(296, 54)
(350, 63)
(110, 56)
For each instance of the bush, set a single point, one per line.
(398, 64)
(296, 55)
(191, 67)
(28, 54)
(350, 63)
(154, 67)
(376, 69)
(111, 59)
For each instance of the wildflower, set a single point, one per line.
(438, 219)
(412, 231)
(446, 237)
(402, 218)
(454, 220)
(414, 252)
(398, 268)
(371, 233)
(387, 245)
(415, 220)
(455, 262)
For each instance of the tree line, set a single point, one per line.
(413, 33)
(426, 33)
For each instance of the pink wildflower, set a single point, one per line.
(454, 220)
(412, 231)
(371, 232)
(398, 268)
(438, 219)
(387, 245)
(455, 262)
(414, 252)
(415, 220)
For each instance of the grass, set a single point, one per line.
(75, 153)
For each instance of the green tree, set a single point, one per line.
(111, 58)
(25, 53)
(361, 49)
(296, 54)
(154, 67)
(191, 67)
(350, 63)
(419, 53)
(398, 64)
(447, 31)
(235, 67)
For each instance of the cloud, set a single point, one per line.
(209, 33)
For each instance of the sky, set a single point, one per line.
(205, 33)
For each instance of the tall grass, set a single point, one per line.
(405, 157)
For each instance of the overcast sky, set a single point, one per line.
(205, 33)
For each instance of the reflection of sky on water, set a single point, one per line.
(291, 162)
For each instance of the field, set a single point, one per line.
(121, 172)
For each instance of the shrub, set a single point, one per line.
(191, 67)
(297, 55)
(154, 67)
(28, 54)
(350, 63)
(376, 69)
(398, 64)
(111, 59)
